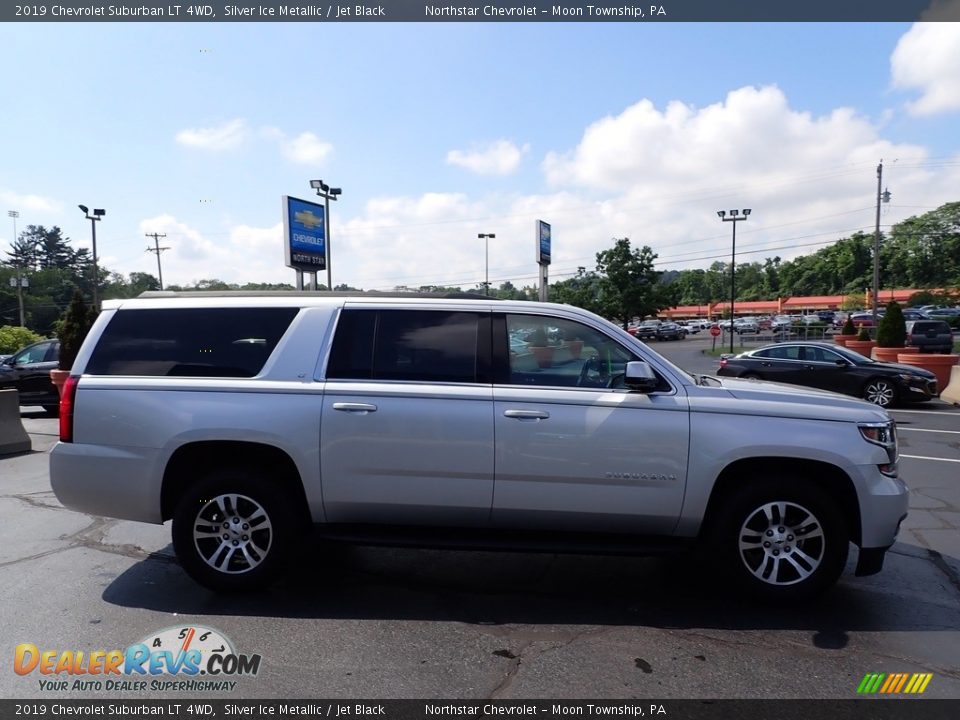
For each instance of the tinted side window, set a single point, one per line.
(352, 353)
(556, 352)
(426, 346)
(190, 342)
(419, 345)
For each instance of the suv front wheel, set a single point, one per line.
(781, 540)
(233, 533)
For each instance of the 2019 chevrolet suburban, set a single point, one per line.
(247, 419)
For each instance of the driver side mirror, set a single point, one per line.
(639, 376)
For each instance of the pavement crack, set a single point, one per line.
(516, 663)
(33, 502)
(943, 566)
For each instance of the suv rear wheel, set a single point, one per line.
(781, 540)
(233, 532)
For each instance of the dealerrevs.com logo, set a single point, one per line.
(894, 683)
(191, 659)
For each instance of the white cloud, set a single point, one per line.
(496, 158)
(28, 203)
(927, 58)
(226, 136)
(307, 149)
(656, 175)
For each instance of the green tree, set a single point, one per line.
(73, 328)
(629, 285)
(892, 329)
(13, 338)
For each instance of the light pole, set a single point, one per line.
(94, 219)
(734, 217)
(15, 214)
(327, 193)
(486, 260)
(885, 197)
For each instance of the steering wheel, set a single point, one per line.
(594, 373)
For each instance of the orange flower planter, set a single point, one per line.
(58, 378)
(885, 354)
(939, 365)
(864, 347)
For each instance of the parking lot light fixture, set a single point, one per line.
(486, 256)
(327, 193)
(94, 219)
(734, 216)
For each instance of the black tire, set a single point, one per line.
(750, 376)
(252, 554)
(782, 540)
(881, 391)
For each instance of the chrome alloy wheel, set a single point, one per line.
(782, 543)
(880, 392)
(232, 533)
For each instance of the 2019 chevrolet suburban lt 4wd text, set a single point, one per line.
(247, 419)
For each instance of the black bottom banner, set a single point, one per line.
(861, 709)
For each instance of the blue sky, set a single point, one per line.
(439, 131)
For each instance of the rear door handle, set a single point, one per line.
(358, 408)
(526, 414)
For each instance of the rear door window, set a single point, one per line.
(412, 345)
(190, 342)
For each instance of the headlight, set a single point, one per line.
(910, 376)
(884, 435)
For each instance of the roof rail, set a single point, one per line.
(308, 293)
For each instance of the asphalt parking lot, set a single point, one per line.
(391, 623)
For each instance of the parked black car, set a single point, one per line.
(831, 367)
(28, 371)
(671, 331)
(931, 336)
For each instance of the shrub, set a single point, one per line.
(13, 338)
(892, 328)
(848, 328)
(73, 328)
(864, 334)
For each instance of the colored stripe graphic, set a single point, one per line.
(894, 683)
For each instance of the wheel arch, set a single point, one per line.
(829, 478)
(194, 460)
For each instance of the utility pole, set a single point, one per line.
(885, 197)
(157, 249)
(20, 279)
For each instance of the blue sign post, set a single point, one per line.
(304, 235)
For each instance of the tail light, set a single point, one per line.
(66, 408)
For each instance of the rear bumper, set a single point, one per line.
(108, 481)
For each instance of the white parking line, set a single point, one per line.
(906, 429)
(921, 457)
(926, 412)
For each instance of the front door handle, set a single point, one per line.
(358, 408)
(526, 414)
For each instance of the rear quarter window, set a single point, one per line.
(189, 342)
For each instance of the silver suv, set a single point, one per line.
(247, 419)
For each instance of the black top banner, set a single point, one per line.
(719, 11)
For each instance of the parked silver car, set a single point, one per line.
(248, 418)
